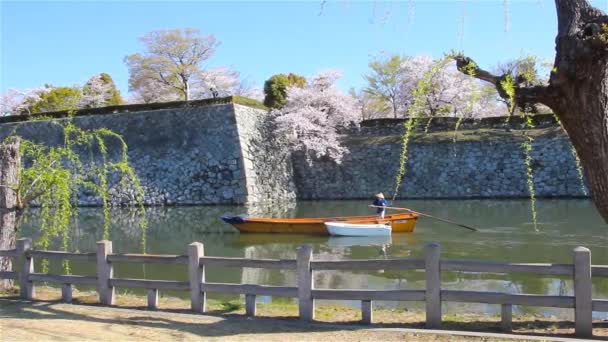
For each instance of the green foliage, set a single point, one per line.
(527, 149)
(58, 99)
(579, 166)
(115, 98)
(275, 88)
(508, 86)
(54, 175)
(245, 101)
(231, 305)
(384, 82)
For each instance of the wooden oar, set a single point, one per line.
(430, 216)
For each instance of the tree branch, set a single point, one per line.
(524, 96)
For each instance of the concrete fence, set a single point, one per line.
(581, 271)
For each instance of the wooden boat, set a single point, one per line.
(357, 229)
(400, 223)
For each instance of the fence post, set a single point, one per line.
(26, 287)
(506, 317)
(583, 324)
(433, 285)
(152, 298)
(105, 271)
(366, 311)
(66, 293)
(306, 303)
(196, 273)
(250, 305)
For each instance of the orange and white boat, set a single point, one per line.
(400, 223)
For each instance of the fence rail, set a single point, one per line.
(581, 271)
(62, 255)
(505, 267)
(9, 253)
(149, 259)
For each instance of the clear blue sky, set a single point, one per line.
(64, 43)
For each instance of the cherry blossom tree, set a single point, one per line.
(19, 102)
(393, 83)
(99, 91)
(172, 58)
(450, 93)
(149, 90)
(217, 82)
(312, 116)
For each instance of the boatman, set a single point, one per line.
(380, 202)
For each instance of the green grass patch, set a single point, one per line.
(245, 101)
(481, 135)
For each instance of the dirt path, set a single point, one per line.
(48, 321)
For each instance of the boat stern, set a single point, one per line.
(234, 219)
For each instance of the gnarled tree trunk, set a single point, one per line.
(577, 91)
(10, 161)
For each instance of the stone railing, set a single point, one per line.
(581, 271)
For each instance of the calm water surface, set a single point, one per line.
(506, 234)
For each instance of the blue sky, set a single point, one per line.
(64, 43)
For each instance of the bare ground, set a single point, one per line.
(51, 320)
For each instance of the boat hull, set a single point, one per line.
(357, 229)
(400, 223)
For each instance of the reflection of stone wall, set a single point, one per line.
(211, 154)
(489, 164)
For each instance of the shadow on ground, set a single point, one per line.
(51, 316)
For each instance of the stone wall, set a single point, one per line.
(480, 164)
(226, 153)
(186, 156)
(269, 175)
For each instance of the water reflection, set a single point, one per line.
(506, 234)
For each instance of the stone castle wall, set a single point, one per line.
(226, 153)
(186, 156)
(489, 165)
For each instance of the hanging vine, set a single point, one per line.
(416, 109)
(508, 86)
(54, 175)
(527, 149)
(579, 166)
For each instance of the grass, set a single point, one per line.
(481, 135)
(245, 101)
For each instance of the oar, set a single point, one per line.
(430, 216)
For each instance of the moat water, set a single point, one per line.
(506, 234)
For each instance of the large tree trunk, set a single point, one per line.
(10, 162)
(577, 91)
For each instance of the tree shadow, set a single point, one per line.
(226, 324)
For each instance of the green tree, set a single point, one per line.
(115, 98)
(58, 99)
(275, 88)
(384, 83)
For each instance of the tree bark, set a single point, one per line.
(577, 91)
(10, 162)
